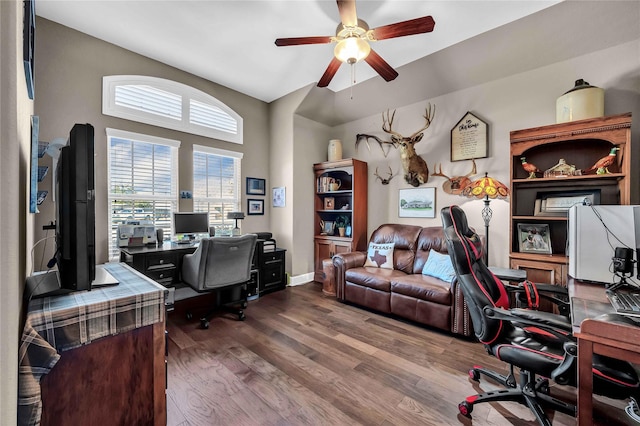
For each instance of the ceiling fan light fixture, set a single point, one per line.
(352, 49)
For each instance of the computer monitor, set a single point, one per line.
(190, 223)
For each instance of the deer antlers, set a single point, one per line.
(387, 180)
(457, 184)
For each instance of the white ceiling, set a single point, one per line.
(232, 42)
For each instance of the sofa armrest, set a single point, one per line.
(460, 319)
(341, 263)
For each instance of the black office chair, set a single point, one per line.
(539, 343)
(223, 265)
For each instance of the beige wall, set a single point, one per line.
(520, 101)
(70, 68)
(16, 224)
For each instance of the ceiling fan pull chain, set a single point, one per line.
(353, 80)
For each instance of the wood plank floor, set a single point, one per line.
(301, 358)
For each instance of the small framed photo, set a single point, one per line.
(256, 186)
(534, 238)
(328, 227)
(255, 207)
(279, 197)
(417, 202)
(329, 203)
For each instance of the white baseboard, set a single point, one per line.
(301, 279)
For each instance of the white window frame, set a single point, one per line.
(138, 137)
(238, 199)
(182, 123)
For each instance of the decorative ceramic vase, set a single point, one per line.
(348, 231)
(335, 150)
(582, 102)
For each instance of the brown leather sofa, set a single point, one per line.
(404, 291)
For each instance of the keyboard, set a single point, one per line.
(625, 303)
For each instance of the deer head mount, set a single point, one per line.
(387, 180)
(455, 185)
(416, 171)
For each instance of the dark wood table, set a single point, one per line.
(616, 340)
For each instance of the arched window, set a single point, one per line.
(169, 104)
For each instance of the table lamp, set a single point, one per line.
(237, 216)
(488, 188)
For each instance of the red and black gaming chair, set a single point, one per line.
(539, 343)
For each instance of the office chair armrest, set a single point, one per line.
(557, 295)
(558, 327)
(548, 318)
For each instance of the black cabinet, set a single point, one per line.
(271, 274)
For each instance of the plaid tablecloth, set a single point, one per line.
(58, 323)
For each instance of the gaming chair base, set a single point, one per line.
(532, 392)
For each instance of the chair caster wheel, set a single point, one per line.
(204, 324)
(189, 316)
(241, 316)
(543, 388)
(474, 375)
(465, 409)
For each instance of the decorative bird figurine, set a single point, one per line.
(530, 168)
(601, 166)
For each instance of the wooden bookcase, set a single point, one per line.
(349, 200)
(580, 143)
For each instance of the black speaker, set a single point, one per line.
(623, 260)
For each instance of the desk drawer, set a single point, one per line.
(273, 275)
(160, 259)
(271, 257)
(163, 274)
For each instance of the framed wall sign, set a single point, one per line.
(417, 202)
(255, 186)
(469, 138)
(255, 207)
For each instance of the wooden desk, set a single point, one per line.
(605, 338)
(104, 352)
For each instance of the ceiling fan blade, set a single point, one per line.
(347, 9)
(381, 66)
(295, 41)
(330, 72)
(404, 28)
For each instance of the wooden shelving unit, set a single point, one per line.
(349, 200)
(580, 143)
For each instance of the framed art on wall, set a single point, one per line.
(28, 44)
(255, 207)
(279, 197)
(417, 202)
(255, 186)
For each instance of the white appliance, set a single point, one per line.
(594, 233)
(136, 235)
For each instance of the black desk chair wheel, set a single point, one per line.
(221, 265)
(540, 344)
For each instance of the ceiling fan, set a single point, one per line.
(352, 41)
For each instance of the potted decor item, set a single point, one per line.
(341, 223)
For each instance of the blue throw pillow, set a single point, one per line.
(439, 265)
